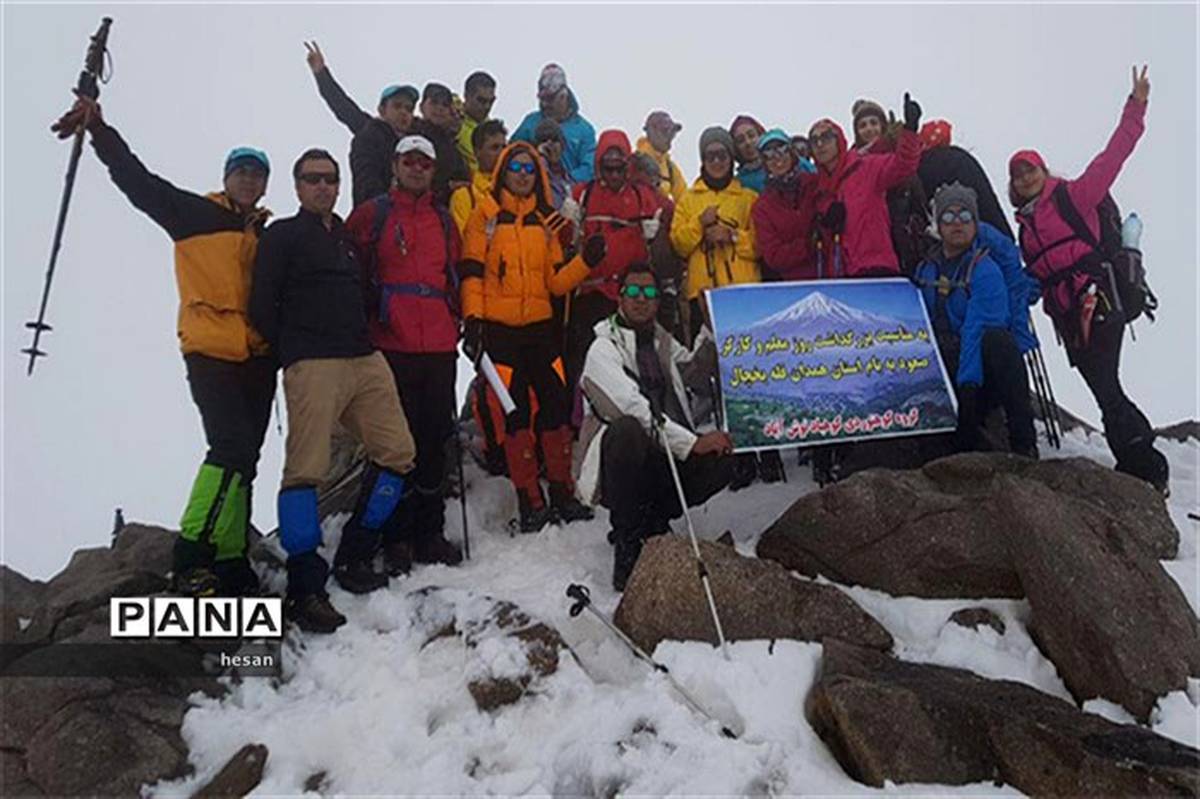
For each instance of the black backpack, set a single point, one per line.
(1117, 269)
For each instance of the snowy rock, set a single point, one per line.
(756, 599)
(974, 618)
(513, 652)
(239, 776)
(1181, 431)
(937, 532)
(887, 720)
(1104, 611)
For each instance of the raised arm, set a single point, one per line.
(1089, 189)
(345, 109)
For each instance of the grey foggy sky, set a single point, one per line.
(106, 420)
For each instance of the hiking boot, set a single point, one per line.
(534, 518)
(569, 509)
(770, 467)
(196, 582)
(359, 577)
(1149, 464)
(436, 549)
(397, 558)
(313, 613)
(825, 467)
(237, 578)
(625, 556)
(745, 469)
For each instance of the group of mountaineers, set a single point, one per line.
(577, 264)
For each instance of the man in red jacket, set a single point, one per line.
(628, 214)
(410, 246)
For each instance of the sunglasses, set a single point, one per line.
(517, 167)
(962, 216)
(633, 291)
(828, 137)
(716, 156)
(313, 178)
(417, 161)
(613, 166)
(776, 150)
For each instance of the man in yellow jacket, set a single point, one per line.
(479, 95)
(712, 227)
(229, 371)
(660, 132)
(487, 142)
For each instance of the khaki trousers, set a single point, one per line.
(360, 393)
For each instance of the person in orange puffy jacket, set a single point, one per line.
(512, 263)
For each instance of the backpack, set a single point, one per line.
(1117, 267)
(382, 292)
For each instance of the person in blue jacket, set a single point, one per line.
(557, 102)
(971, 305)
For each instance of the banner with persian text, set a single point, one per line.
(826, 361)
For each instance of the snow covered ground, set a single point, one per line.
(380, 715)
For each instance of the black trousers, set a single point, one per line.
(530, 352)
(234, 399)
(1126, 428)
(1005, 385)
(426, 385)
(586, 310)
(636, 482)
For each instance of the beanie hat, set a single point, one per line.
(867, 108)
(391, 91)
(243, 156)
(955, 193)
(716, 135)
(548, 128)
(935, 133)
(645, 163)
(1028, 156)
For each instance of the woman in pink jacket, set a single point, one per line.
(1075, 293)
(851, 198)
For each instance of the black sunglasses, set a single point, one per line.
(313, 178)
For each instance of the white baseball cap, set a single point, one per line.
(418, 144)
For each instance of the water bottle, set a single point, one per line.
(1131, 232)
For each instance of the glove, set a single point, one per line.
(473, 339)
(912, 113)
(967, 435)
(650, 226)
(571, 210)
(834, 218)
(594, 249)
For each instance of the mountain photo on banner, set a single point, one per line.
(830, 360)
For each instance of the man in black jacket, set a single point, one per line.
(307, 299)
(374, 142)
(439, 123)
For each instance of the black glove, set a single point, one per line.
(912, 113)
(473, 339)
(834, 218)
(967, 436)
(594, 249)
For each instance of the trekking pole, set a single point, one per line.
(701, 568)
(462, 489)
(1039, 391)
(583, 601)
(87, 86)
(1054, 410)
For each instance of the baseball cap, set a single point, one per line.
(661, 119)
(396, 88)
(552, 80)
(418, 144)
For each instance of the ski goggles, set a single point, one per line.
(633, 291)
(529, 168)
(962, 216)
(313, 178)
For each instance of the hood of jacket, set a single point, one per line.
(608, 140)
(541, 184)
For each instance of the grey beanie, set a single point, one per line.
(716, 135)
(548, 128)
(955, 193)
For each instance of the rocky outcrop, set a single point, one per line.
(755, 598)
(939, 531)
(887, 720)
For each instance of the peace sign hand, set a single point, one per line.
(316, 59)
(1141, 85)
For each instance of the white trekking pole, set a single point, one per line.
(701, 567)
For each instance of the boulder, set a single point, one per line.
(521, 651)
(1114, 623)
(887, 720)
(239, 776)
(664, 599)
(20, 598)
(974, 618)
(937, 532)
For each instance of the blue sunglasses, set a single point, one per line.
(516, 166)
